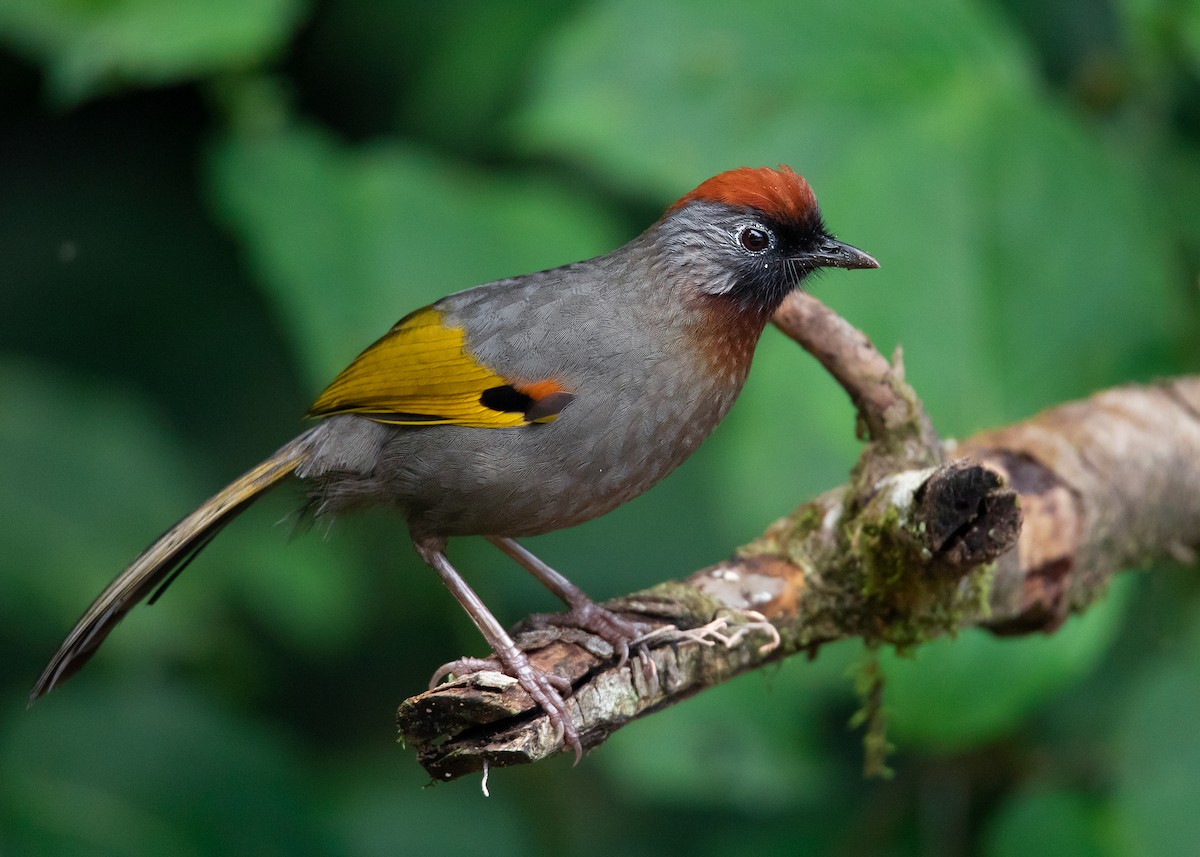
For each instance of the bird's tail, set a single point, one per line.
(160, 563)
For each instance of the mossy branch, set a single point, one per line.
(1012, 530)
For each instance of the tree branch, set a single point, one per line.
(1019, 528)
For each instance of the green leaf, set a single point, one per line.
(92, 46)
(350, 240)
(1158, 753)
(1048, 822)
(756, 745)
(384, 810)
(1166, 33)
(475, 65)
(149, 774)
(693, 89)
(954, 694)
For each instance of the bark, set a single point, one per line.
(1011, 530)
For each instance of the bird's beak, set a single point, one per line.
(831, 253)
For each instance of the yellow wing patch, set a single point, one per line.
(419, 373)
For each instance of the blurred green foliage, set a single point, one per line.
(208, 208)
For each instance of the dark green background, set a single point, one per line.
(207, 207)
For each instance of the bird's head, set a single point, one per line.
(751, 236)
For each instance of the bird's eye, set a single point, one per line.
(754, 239)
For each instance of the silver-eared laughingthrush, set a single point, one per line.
(533, 403)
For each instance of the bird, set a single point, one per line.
(531, 404)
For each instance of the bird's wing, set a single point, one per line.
(420, 373)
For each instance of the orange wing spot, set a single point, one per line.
(541, 389)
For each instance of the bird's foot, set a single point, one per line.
(620, 633)
(464, 666)
(720, 631)
(612, 628)
(546, 689)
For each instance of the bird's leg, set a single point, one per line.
(545, 689)
(584, 613)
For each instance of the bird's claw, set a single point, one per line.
(463, 666)
(720, 631)
(546, 689)
(613, 628)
